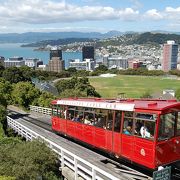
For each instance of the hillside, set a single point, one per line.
(158, 38)
(31, 37)
(57, 42)
(136, 38)
(125, 39)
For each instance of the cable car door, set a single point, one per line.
(116, 133)
(127, 140)
(168, 138)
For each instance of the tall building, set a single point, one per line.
(56, 64)
(2, 59)
(55, 53)
(88, 52)
(170, 56)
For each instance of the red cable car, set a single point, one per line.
(146, 132)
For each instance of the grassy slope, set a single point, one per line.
(133, 86)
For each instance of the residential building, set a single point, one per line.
(88, 52)
(117, 62)
(105, 60)
(134, 64)
(170, 56)
(43, 67)
(87, 64)
(14, 61)
(32, 62)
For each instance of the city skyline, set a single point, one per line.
(88, 15)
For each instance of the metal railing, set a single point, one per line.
(80, 166)
(43, 110)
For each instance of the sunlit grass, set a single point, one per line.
(132, 86)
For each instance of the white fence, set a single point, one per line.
(43, 110)
(80, 166)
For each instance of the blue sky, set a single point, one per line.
(89, 15)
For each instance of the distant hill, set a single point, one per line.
(31, 37)
(137, 38)
(57, 42)
(54, 38)
(126, 39)
(159, 38)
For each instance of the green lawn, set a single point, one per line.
(132, 86)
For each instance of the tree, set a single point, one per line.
(66, 84)
(146, 94)
(1, 68)
(3, 121)
(101, 68)
(178, 94)
(27, 72)
(72, 70)
(45, 99)
(14, 75)
(79, 87)
(28, 160)
(5, 91)
(25, 94)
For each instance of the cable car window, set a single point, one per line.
(145, 125)
(88, 118)
(117, 123)
(61, 111)
(166, 127)
(89, 109)
(178, 124)
(71, 112)
(110, 120)
(128, 123)
(79, 114)
(100, 118)
(54, 110)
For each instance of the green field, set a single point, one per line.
(132, 86)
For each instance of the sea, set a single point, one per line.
(8, 50)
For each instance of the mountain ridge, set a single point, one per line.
(32, 37)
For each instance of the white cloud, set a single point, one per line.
(29, 14)
(48, 11)
(173, 13)
(153, 14)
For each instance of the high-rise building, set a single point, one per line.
(55, 53)
(2, 59)
(170, 56)
(56, 63)
(88, 52)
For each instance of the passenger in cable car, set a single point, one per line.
(87, 120)
(77, 118)
(138, 128)
(70, 117)
(128, 130)
(145, 132)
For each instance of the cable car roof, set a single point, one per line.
(119, 104)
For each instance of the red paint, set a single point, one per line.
(148, 153)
